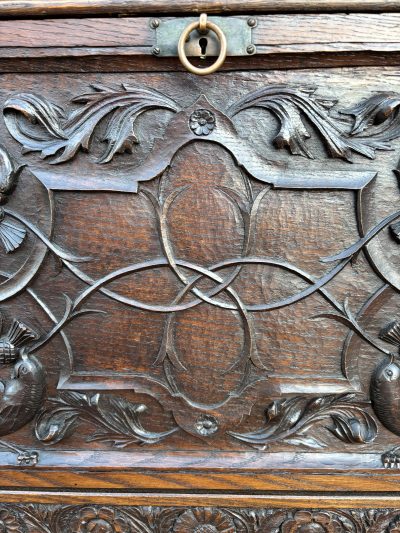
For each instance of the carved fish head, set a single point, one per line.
(389, 373)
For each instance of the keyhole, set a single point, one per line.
(203, 47)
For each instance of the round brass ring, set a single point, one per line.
(222, 53)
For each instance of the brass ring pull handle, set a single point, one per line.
(202, 24)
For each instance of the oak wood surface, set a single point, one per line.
(274, 34)
(176, 499)
(60, 59)
(35, 8)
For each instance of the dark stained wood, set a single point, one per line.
(180, 519)
(199, 276)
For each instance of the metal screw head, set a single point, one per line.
(251, 22)
(156, 51)
(251, 49)
(154, 23)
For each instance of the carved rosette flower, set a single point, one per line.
(204, 521)
(202, 122)
(308, 522)
(9, 523)
(99, 520)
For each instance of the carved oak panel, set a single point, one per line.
(189, 265)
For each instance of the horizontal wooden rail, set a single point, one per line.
(267, 501)
(37, 8)
(278, 34)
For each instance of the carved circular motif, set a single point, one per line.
(202, 122)
(204, 521)
(206, 425)
(308, 522)
(98, 520)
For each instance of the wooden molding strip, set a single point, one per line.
(290, 501)
(44, 8)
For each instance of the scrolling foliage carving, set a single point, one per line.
(289, 421)
(116, 419)
(42, 126)
(84, 519)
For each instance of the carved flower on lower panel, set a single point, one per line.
(202, 122)
(308, 522)
(9, 523)
(99, 520)
(204, 521)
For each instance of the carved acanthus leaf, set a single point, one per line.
(65, 135)
(117, 420)
(376, 121)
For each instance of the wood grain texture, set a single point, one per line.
(33, 8)
(92, 464)
(177, 499)
(138, 408)
(275, 34)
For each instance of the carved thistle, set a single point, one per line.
(298, 413)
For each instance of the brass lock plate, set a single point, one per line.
(238, 32)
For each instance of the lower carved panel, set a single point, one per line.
(39, 518)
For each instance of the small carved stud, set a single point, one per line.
(391, 459)
(206, 425)
(27, 458)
